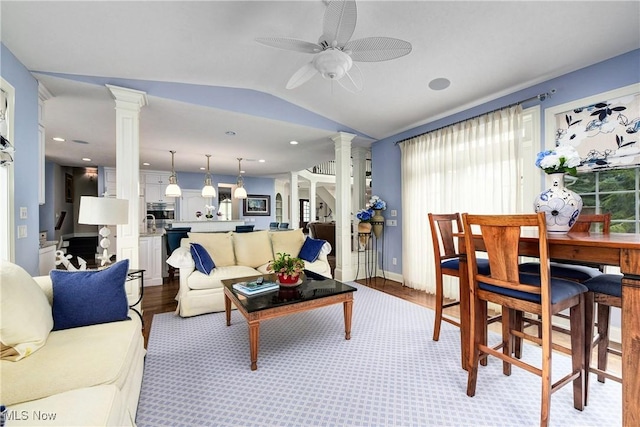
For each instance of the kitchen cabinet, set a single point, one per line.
(151, 259)
(47, 259)
(155, 183)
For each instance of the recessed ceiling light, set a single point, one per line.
(146, 164)
(439, 84)
(261, 160)
(57, 138)
(86, 159)
(230, 133)
(202, 169)
(293, 142)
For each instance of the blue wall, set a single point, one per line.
(26, 157)
(615, 73)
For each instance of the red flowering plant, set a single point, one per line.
(286, 265)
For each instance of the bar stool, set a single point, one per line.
(538, 294)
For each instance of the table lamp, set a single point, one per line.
(103, 211)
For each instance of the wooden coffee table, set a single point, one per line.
(315, 291)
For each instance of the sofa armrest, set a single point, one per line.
(47, 286)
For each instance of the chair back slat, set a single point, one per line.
(588, 222)
(501, 237)
(443, 227)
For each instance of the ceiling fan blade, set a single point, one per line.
(375, 49)
(352, 80)
(290, 44)
(339, 22)
(302, 75)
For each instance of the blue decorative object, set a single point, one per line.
(204, 263)
(311, 249)
(82, 298)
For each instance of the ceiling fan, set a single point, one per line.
(335, 52)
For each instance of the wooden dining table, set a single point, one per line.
(615, 249)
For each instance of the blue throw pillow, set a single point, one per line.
(204, 263)
(311, 249)
(82, 298)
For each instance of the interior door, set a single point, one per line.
(305, 215)
(191, 202)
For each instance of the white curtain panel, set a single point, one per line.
(471, 167)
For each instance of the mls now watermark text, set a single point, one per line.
(13, 415)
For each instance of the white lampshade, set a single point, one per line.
(208, 191)
(173, 190)
(240, 193)
(103, 211)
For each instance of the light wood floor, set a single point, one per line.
(161, 299)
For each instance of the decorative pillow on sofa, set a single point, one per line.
(82, 298)
(219, 246)
(25, 313)
(202, 259)
(288, 242)
(252, 249)
(311, 249)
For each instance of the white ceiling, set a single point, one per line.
(204, 54)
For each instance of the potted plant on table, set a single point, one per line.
(287, 268)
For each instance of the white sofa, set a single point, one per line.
(81, 376)
(235, 255)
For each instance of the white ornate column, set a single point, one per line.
(358, 160)
(128, 105)
(294, 204)
(312, 200)
(344, 266)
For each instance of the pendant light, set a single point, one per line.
(173, 190)
(208, 190)
(240, 192)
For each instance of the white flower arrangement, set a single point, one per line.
(564, 159)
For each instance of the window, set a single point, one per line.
(616, 191)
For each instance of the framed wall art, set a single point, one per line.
(604, 128)
(257, 205)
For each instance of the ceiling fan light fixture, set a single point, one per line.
(173, 189)
(208, 190)
(332, 64)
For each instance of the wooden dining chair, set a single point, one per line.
(514, 291)
(576, 272)
(443, 227)
(605, 291)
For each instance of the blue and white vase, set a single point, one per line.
(560, 205)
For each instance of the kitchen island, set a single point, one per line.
(208, 226)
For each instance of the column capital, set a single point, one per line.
(359, 152)
(343, 137)
(137, 98)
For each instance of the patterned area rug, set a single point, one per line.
(389, 374)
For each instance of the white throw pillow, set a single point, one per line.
(25, 313)
(218, 245)
(252, 249)
(288, 242)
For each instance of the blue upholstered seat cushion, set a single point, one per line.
(560, 289)
(609, 284)
(311, 249)
(202, 259)
(579, 273)
(83, 298)
(454, 264)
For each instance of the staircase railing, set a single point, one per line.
(329, 168)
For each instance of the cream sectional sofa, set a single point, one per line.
(235, 255)
(81, 376)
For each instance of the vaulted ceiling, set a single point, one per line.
(205, 74)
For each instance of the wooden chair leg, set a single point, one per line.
(171, 272)
(588, 342)
(603, 334)
(508, 323)
(478, 326)
(439, 303)
(578, 347)
(517, 341)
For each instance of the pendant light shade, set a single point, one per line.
(240, 192)
(208, 190)
(173, 189)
